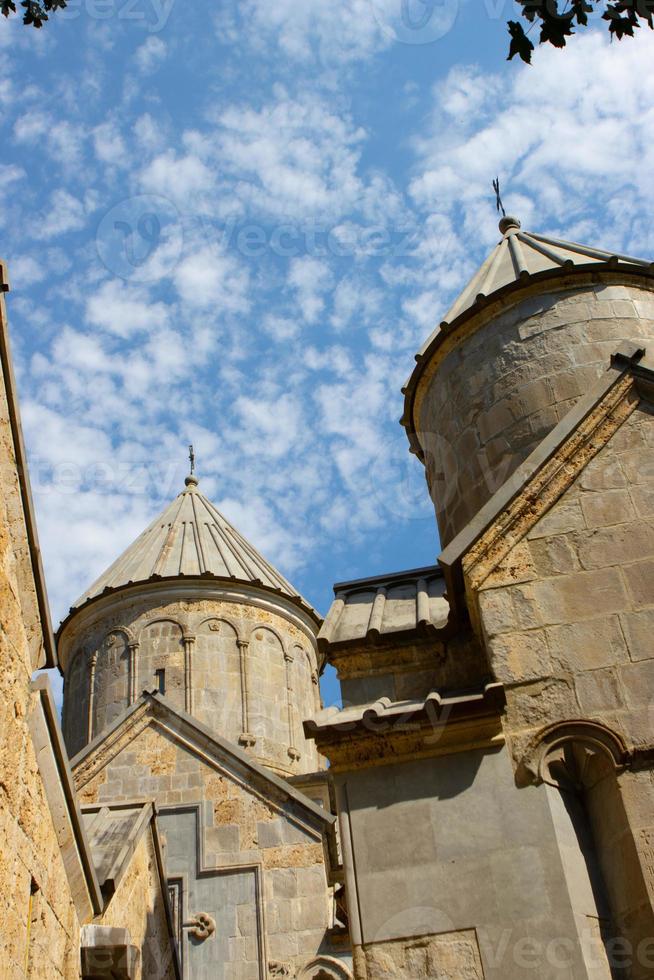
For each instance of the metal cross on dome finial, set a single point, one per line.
(498, 199)
(191, 480)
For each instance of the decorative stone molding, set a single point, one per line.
(201, 926)
(133, 648)
(325, 968)
(277, 969)
(548, 755)
(94, 662)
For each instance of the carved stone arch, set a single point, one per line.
(119, 628)
(220, 619)
(270, 629)
(161, 619)
(325, 968)
(164, 659)
(588, 747)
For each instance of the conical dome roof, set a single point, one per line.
(519, 258)
(191, 539)
(521, 255)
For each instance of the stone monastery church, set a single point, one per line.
(483, 807)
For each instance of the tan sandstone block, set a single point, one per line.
(607, 507)
(588, 645)
(617, 545)
(578, 596)
(638, 682)
(598, 690)
(520, 656)
(564, 516)
(555, 555)
(638, 628)
(640, 581)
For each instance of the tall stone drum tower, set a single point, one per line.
(189, 668)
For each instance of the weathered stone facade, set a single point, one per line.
(240, 663)
(504, 809)
(493, 764)
(260, 847)
(502, 382)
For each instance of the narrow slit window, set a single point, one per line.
(160, 675)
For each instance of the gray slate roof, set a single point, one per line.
(380, 608)
(191, 538)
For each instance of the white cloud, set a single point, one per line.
(184, 179)
(109, 144)
(337, 31)
(210, 278)
(64, 213)
(588, 139)
(124, 310)
(150, 55)
(310, 278)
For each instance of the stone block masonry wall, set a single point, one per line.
(246, 672)
(138, 906)
(504, 384)
(240, 829)
(449, 956)
(569, 614)
(39, 929)
(568, 618)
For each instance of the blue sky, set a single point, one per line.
(233, 224)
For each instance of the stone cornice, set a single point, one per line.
(385, 732)
(184, 590)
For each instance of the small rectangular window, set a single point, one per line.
(160, 675)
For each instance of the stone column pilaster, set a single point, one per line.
(133, 667)
(245, 738)
(189, 646)
(94, 662)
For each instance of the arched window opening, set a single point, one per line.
(598, 853)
